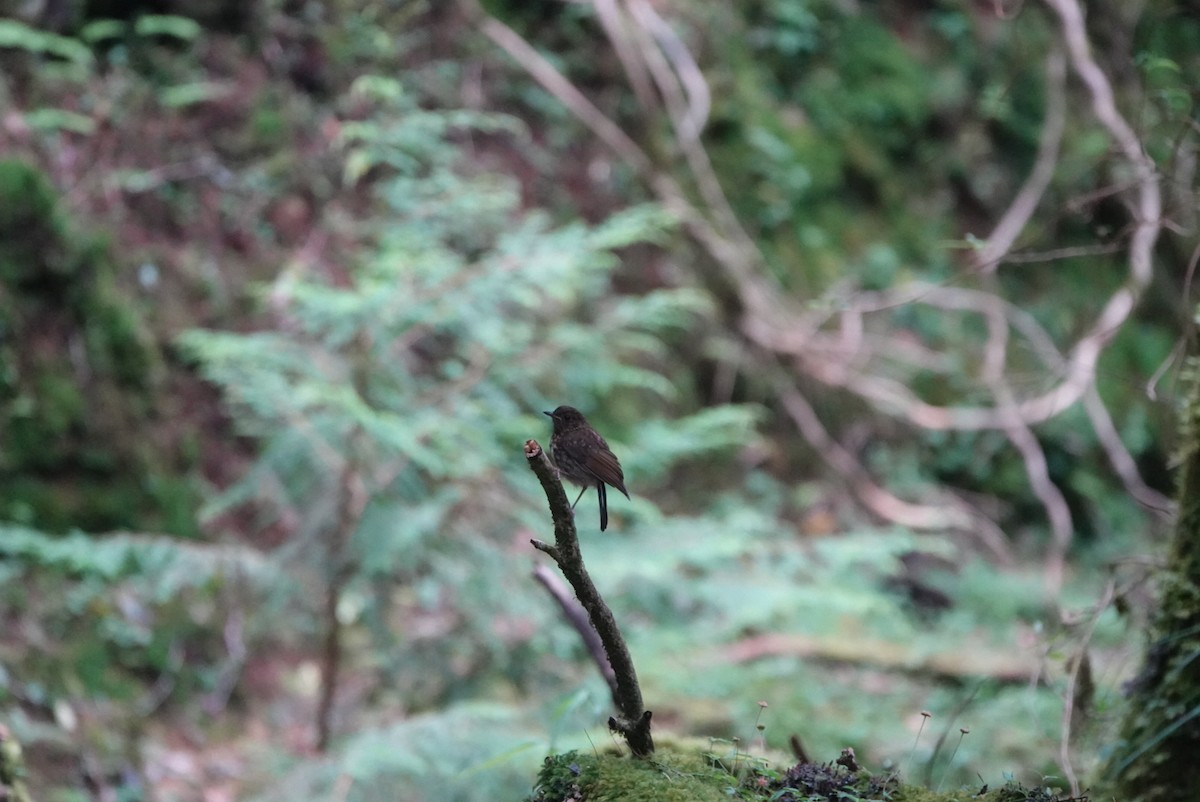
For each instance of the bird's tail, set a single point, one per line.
(603, 506)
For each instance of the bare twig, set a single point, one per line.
(555, 83)
(1022, 437)
(577, 617)
(1059, 514)
(1120, 458)
(1077, 663)
(690, 119)
(884, 504)
(1042, 345)
(1147, 205)
(617, 29)
(352, 501)
(1055, 254)
(1013, 222)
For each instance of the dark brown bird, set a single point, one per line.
(583, 458)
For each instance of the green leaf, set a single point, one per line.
(60, 120)
(18, 36)
(184, 95)
(178, 27)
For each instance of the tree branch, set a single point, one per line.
(633, 721)
(577, 617)
(995, 249)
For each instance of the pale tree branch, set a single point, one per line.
(1120, 458)
(690, 122)
(617, 29)
(1077, 665)
(1147, 206)
(1000, 315)
(556, 84)
(1013, 222)
(1023, 438)
(950, 516)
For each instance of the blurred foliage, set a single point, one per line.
(122, 626)
(77, 378)
(424, 368)
(424, 284)
(460, 753)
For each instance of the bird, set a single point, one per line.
(583, 458)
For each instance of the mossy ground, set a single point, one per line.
(687, 776)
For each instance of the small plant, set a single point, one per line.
(760, 727)
(925, 716)
(818, 782)
(962, 733)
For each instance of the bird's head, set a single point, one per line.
(566, 418)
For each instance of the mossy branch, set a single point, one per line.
(633, 722)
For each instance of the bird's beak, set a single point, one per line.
(544, 412)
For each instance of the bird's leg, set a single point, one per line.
(576, 501)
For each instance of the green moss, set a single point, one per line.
(1154, 760)
(31, 230)
(72, 416)
(669, 777)
(686, 776)
(117, 345)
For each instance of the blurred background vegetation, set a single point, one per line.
(285, 285)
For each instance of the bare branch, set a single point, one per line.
(1148, 206)
(577, 617)
(875, 498)
(1020, 435)
(616, 28)
(575, 101)
(1077, 663)
(634, 720)
(993, 307)
(1120, 458)
(1056, 254)
(691, 121)
(1061, 527)
(1013, 222)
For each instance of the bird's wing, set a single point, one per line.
(602, 464)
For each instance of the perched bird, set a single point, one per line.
(583, 458)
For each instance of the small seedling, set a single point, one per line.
(925, 716)
(762, 728)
